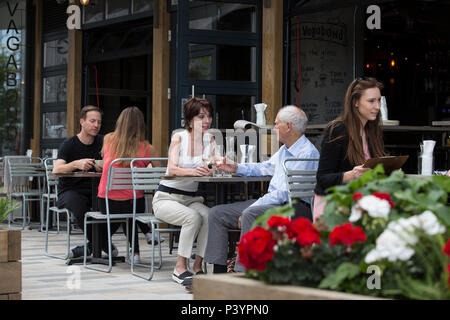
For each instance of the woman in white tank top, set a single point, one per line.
(175, 202)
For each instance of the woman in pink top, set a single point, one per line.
(126, 141)
(350, 139)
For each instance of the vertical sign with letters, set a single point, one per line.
(11, 62)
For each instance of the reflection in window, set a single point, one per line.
(230, 108)
(142, 5)
(94, 11)
(221, 62)
(206, 15)
(55, 52)
(54, 125)
(200, 68)
(117, 8)
(55, 89)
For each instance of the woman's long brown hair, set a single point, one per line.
(352, 122)
(126, 138)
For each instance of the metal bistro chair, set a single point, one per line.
(52, 196)
(26, 168)
(300, 183)
(147, 179)
(118, 179)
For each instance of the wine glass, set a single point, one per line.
(208, 156)
(218, 160)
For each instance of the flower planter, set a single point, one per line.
(10, 265)
(237, 287)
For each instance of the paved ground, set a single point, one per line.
(48, 278)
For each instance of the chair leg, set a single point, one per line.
(41, 210)
(9, 217)
(68, 232)
(24, 211)
(171, 240)
(152, 258)
(47, 232)
(133, 232)
(109, 248)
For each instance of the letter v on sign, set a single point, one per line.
(9, 8)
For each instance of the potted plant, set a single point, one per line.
(10, 255)
(383, 237)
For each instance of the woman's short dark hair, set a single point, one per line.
(192, 108)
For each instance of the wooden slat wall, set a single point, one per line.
(35, 141)
(272, 68)
(161, 73)
(272, 59)
(74, 70)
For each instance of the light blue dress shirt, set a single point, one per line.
(277, 192)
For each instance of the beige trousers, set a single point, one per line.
(188, 212)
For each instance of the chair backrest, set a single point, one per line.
(21, 168)
(300, 183)
(147, 179)
(118, 178)
(51, 181)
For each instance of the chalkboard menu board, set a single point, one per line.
(325, 59)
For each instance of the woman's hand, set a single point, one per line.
(354, 174)
(201, 171)
(358, 171)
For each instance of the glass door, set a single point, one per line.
(217, 55)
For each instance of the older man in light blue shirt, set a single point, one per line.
(290, 124)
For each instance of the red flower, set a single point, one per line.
(277, 221)
(357, 196)
(448, 279)
(347, 234)
(256, 248)
(384, 196)
(303, 232)
(447, 248)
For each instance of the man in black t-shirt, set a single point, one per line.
(78, 153)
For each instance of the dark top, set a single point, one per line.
(73, 149)
(333, 160)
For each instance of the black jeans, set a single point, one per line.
(118, 207)
(78, 202)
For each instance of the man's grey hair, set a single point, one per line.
(294, 115)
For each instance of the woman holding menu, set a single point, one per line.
(350, 139)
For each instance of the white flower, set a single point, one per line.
(429, 223)
(396, 240)
(355, 214)
(375, 207)
(392, 246)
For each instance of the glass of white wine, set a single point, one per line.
(218, 160)
(208, 156)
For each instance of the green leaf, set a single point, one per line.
(443, 213)
(284, 211)
(6, 207)
(346, 270)
(443, 182)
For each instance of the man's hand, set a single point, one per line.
(85, 164)
(98, 168)
(228, 165)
